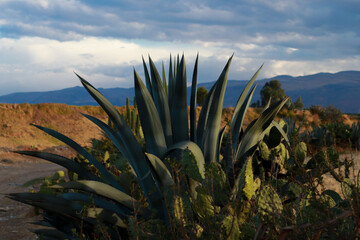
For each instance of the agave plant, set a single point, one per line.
(196, 149)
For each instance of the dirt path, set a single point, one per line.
(15, 216)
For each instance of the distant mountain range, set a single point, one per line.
(340, 89)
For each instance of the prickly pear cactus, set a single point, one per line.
(269, 204)
(300, 152)
(346, 188)
(179, 212)
(282, 155)
(264, 151)
(217, 183)
(231, 228)
(191, 167)
(246, 183)
(204, 205)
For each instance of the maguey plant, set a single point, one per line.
(191, 179)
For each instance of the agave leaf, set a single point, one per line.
(267, 105)
(221, 136)
(67, 224)
(240, 102)
(212, 122)
(204, 114)
(253, 133)
(179, 108)
(110, 178)
(106, 216)
(161, 102)
(150, 120)
(238, 116)
(193, 101)
(119, 122)
(100, 189)
(171, 87)
(100, 202)
(164, 80)
(160, 169)
(147, 77)
(196, 152)
(49, 233)
(49, 203)
(282, 132)
(114, 137)
(64, 162)
(228, 155)
(142, 170)
(176, 65)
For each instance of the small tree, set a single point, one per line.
(272, 90)
(201, 95)
(298, 104)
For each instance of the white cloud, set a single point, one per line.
(35, 64)
(301, 68)
(43, 39)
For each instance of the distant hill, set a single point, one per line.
(340, 89)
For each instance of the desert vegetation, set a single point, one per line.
(166, 170)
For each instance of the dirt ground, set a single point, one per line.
(332, 184)
(14, 216)
(15, 170)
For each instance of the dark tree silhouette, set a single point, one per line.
(298, 104)
(201, 95)
(271, 90)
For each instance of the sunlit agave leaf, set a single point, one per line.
(101, 189)
(242, 97)
(195, 150)
(164, 80)
(160, 170)
(171, 87)
(282, 132)
(147, 77)
(139, 164)
(149, 118)
(117, 141)
(238, 118)
(97, 201)
(67, 163)
(107, 176)
(147, 183)
(106, 216)
(214, 110)
(204, 114)
(193, 101)
(161, 102)
(221, 136)
(254, 131)
(179, 108)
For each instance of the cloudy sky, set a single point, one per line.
(42, 42)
